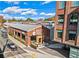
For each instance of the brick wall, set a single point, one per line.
(38, 31)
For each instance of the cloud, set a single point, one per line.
(30, 11)
(46, 2)
(11, 10)
(21, 11)
(21, 17)
(47, 14)
(14, 2)
(1, 14)
(40, 17)
(7, 16)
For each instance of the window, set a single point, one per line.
(15, 33)
(23, 36)
(59, 32)
(74, 18)
(18, 34)
(62, 5)
(60, 19)
(72, 35)
(75, 3)
(33, 38)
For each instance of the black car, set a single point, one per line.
(12, 46)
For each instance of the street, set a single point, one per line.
(23, 51)
(8, 52)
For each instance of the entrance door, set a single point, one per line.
(40, 40)
(33, 38)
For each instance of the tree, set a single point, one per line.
(45, 19)
(29, 19)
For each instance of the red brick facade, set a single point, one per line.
(39, 31)
(67, 11)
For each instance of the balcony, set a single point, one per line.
(73, 20)
(61, 20)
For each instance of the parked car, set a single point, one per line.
(12, 46)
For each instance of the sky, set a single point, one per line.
(27, 9)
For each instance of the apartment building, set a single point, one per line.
(67, 23)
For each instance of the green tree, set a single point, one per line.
(45, 19)
(29, 19)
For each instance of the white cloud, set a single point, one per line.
(6, 16)
(47, 14)
(41, 18)
(30, 11)
(14, 2)
(19, 18)
(46, 2)
(1, 14)
(11, 10)
(22, 11)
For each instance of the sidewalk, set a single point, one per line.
(34, 53)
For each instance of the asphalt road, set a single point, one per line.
(19, 53)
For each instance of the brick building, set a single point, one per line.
(67, 24)
(29, 34)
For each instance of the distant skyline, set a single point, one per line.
(27, 9)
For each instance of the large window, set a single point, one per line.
(74, 19)
(62, 5)
(15, 33)
(23, 36)
(75, 3)
(59, 32)
(33, 38)
(18, 34)
(72, 35)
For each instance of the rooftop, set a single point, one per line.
(24, 27)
